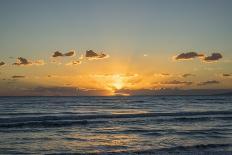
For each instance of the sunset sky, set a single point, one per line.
(114, 47)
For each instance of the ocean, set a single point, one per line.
(115, 125)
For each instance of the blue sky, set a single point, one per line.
(124, 29)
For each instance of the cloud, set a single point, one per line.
(59, 54)
(17, 76)
(208, 82)
(162, 75)
(187, 75)
(188, 55)
(91, 55)
(175, 82)
(2, 63)
(214, 57)
(24, 62)
(226, 75)
(74, 62)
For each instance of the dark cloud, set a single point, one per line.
(69, 54)
(18, 76)
(59, 54)
(226, 75)
(2, 63)
(213, 57)
(24, 62)
(187, 75)
(208, 82)
(175, 82)
(91, 55)
(188, 55)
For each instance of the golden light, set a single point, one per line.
(118, 82)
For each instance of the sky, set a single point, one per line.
(114, 47)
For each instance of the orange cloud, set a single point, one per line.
(208, 82)
(74, 62)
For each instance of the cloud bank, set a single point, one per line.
(210, 82)
(176, 82)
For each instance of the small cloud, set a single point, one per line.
(214, 57)
(59, 54)
(226, 75)
(24, 62)
(70, 53)
(75, 62)
(187, 56)
(91, 55)
(208, 82)
(175, 82)
(187, 75)
(2, 63)
(17, 76)
(162, 74)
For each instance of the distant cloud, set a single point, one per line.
(214, 57)
(2, 63)
(18, 76)
(75, 62)
(91, 55)
(175, 82)
(188, 55)
(208, 82)
(24, 62)
(187, 75)
(226, 75)
(162, 74)
(59, 54)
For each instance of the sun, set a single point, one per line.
(118, 85)
(118, 82)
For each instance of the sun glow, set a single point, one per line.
(118, 82)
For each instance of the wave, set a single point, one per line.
(203, 149)
(49, 124)
(65, 120)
